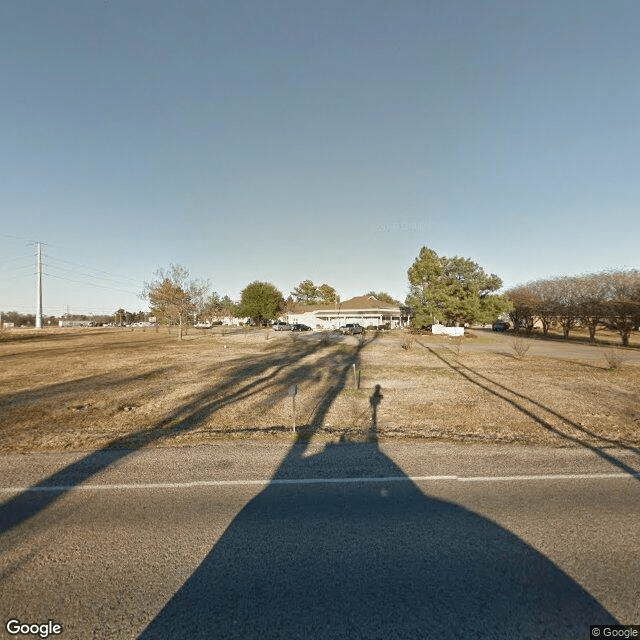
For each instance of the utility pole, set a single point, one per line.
(39, 288)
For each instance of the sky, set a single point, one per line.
(283, 140)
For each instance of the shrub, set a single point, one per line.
(613, 358)
(521, 348)
(325, 338)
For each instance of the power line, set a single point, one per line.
(108, 273)
(6, 235)
(84, 275)
(18, 276)
(91, 284)
(78, 273)
(16, 258)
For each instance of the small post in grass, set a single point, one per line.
(293, 389)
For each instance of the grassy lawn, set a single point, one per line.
(93, 388)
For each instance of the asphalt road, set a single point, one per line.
(498, 342)
(406, 540)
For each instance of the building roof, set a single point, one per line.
(360, 303)
(367, 302)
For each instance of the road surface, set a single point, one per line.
(267, 540)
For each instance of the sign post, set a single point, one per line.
(293, 390)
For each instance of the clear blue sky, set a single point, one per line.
(286, 140)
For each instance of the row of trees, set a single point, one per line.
(453, 291)
(176, 298)
(29, 319)
(23, 319)
(123, 316)
(611, 298)
(449, 290)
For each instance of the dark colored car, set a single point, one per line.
(300, 327)
(500, 325)
(352, 329)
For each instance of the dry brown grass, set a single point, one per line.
(70, 389)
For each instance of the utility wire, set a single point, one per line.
(92, 284)
(108, 273)
(78, 273)
(29, 257)
(17, 276)
(6, 235)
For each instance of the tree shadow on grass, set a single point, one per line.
(271, 372)
(342, 544)
(578, 363)
(78, 386)
(66, 350)
(579, 433)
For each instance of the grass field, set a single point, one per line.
(95, 388)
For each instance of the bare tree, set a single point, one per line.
(174, 296)
(545, 295)
(585, 300)
(567, 310)
(591, 292)
(524, 308)
(623, 302)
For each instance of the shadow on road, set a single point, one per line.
(357, 550)
(272, 372)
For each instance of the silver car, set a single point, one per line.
(352, 329)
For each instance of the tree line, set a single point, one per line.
(608, 298)
(176, 298)
(450, 290)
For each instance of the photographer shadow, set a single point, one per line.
(342, 544)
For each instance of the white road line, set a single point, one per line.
(303, 481)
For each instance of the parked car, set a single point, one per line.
(300, 327)
(352, 329)
(281, 326)
(500, 325)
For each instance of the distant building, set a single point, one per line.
(232, 321)
(76, 323)
(364, 310)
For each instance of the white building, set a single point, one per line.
(365, 310)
